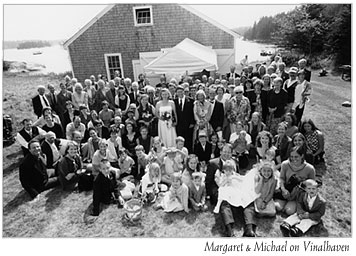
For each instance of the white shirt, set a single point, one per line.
(23, 142)
(310, 201)
(44, 101)
(112, 155)
(182, 101)
(55, 152)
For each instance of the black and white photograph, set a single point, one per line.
(172, 120)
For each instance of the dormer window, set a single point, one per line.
(143, 15)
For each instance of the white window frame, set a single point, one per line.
(135, 18)
(106, 55)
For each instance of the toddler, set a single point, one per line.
(176, 199)
(170, 165)
(310, 209)
(225, 182)
(150, 181)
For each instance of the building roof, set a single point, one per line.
(109, 7)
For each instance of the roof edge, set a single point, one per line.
(210, 20)
(88, 25)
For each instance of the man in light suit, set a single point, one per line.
(185, 122)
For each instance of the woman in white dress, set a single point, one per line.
(167, 116)
(79, 97)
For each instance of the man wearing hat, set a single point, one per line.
(185, 116)
(40, 101)
(289, 85)
(203, 148)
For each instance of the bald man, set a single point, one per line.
(40, 101)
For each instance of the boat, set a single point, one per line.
(265, 53)
(37, 53)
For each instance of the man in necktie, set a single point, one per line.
(51, 97)
(217, 116)
(40, 101)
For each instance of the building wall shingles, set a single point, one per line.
(115, 33)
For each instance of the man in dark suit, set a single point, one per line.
(110, 95)
(185, 122)
(33, 172)
(28, 133)
(203, 148)
(217, 116)
(135, 93)
(50, 148)
(40, 101)
(51, 96)
(232, 73)
(213, 165)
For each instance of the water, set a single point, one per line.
(56, 58)
(253, 50)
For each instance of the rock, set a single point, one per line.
(18, 66)
(346, 104)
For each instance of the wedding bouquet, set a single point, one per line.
(167, 118)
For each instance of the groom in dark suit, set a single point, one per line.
(217, 116)
(185, 122)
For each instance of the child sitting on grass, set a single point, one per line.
(142, 162)
(176, 199)
(169, 166)
(150, 182)
(106, 188)
(197, 192)
(125, 163)
(265, 185)
(310, 209)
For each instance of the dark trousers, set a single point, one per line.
(243, 161)
(299, 114)
(187, 134)
(51, 183)
(228, 211)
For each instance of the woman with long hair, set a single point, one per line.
(314, 138)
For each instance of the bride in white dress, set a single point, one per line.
(167, 116)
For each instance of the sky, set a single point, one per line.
(52, 22)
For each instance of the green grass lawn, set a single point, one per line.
(63, 214)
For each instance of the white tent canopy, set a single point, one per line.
(187, 56)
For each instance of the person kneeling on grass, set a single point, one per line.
(310, 209)
(106, 187)
(197, 192)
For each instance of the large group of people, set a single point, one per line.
(237, 141)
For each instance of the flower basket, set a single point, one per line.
(133, 209)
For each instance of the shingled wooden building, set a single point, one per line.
(127, 37)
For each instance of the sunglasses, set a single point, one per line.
(238, 92)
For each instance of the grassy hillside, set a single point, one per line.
(62, 214)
